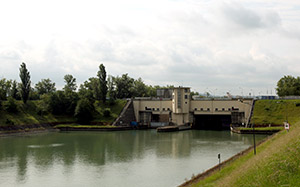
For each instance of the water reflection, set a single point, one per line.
(97, 149)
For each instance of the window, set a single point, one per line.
(201, 109)
(157, 109)
(216, 109)
(153, 109)
(186, 96)
(168, 108)
(163, 109)
(229, 109)
(223, 109)
(208, 109)
(185, 90)
(195, 108)
(185, 102)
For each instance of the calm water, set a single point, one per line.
(128, 158)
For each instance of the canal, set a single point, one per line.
(124, 158)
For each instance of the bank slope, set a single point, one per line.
(277, 163)
(275, 112)
(31, 114)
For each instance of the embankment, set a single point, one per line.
(29, 118)
(275, 164)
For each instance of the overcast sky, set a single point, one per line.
(210, 45)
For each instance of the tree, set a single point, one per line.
(70, 83)
(4, 88)
(111, 89)
(45, 86)
(25, 82)
(11, 105)
(57, 103)
(70, 95)
(84, 111)
(85, 92)
(124, 86)
(288, 85)
(102, 82)
(14, 90)
(139, 88)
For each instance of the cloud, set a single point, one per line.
(202, 44)
(247, 18)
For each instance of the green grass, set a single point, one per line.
(275, 112)
(115, 111)
(28, 114)
(262, 129)
(276, 163)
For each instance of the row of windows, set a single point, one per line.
(157, 109)
(216, 109)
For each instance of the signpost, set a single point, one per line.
(286, 126)
(219, 157)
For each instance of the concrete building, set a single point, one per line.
(181, 109)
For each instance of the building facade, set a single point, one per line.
(181, 109)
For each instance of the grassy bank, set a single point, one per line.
(30, 114)
(275, 112)
(276, 164)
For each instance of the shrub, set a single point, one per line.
(106, 112)
(11, 105)
(84, 111)
(9, 122)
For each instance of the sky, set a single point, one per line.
(213, 46)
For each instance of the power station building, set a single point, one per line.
(175, 106)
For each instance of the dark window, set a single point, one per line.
(153, 109)
(168, 108)
(158, 109)
(208, 109)
(186, 96)
(185, 90)
(229, 109)
(195, 108)
(216, 109)
(185, 102)
(163, 109)
(223, 109)
(201, 109)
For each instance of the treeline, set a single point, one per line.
(72, 100)
(288, 86)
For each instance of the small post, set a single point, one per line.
(254, 140)
(219, 157)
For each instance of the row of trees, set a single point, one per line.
(70, 100)
(288, 86)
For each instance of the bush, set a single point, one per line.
(84, 111)
(11, 105)
(9, 122)
(107, 112)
